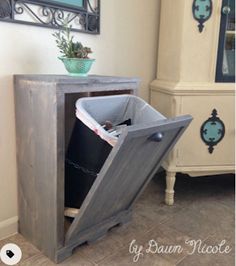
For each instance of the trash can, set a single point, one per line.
(100, 121)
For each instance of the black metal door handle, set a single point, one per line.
(156, 137)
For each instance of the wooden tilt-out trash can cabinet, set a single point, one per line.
(45, 116)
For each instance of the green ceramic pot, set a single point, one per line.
(77, 66)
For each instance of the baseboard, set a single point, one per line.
(8, 227)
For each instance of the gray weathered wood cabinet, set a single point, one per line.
(45, 116)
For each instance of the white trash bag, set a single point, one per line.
(97, 113)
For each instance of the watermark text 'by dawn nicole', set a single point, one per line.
(195, 246)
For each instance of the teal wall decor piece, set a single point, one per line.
(202, 10)
(84, 15)
(72, 3)
(212, 131)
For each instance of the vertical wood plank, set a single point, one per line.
(36, 134)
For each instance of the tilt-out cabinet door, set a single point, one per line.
(128, 169)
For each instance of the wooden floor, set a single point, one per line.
(204, 209)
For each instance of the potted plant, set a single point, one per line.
(74, 54)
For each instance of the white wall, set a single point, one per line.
(126, 46)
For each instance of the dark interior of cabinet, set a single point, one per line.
(81, 152)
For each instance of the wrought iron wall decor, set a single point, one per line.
(212, 131)
(84, 14)
(202, 10)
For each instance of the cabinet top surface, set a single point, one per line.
(77, 80)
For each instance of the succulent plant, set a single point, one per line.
(68, 47)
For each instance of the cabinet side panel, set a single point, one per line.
(36, 157)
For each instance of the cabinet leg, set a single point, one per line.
(170, 183)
